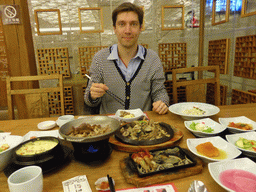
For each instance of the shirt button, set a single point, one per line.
(128, 84)
(127, 97)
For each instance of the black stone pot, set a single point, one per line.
(44, 160)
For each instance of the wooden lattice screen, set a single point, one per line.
(242, 97)
(218, 54)
(54, 102)
(173, 55)
(211, 91)
(53, 61)
(245, 57)
(85, 57)
(68, 100)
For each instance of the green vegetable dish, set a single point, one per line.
(246, 144)
(201, 127)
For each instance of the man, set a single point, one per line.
(127, 69)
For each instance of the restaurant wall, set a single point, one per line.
(235, 27)
(152, 35)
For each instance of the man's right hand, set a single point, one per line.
(98, 90)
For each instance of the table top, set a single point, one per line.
(53, 180)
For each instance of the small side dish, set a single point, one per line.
(246, 144)
(208, 149)
(234, 175)
(243, 126)
(213, 149)
(201, 127)
(238, 180)
(129, 115)
(239, 124)
(126, 114)
(205, 127)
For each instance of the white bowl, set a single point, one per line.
(46, 125)
(240, 119)
(231, 151)
(217, 128)
(244, 164)
(138, 113)
(100, 180)
(248, 135)
(64, 119)
(179, 108)
(5, 156)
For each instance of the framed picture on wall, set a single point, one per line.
(90, 20)
(220, 15)
(173, 17)
(248, 8)
(48, 22)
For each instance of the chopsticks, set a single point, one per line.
(111, 185)
(121, 101)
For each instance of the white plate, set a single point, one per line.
(45, 125)
(137, 113)
(247, 135)
(231, 151)
(178, 109)
(244, 164)
(217, 128)
(240, 119)
(6, 156)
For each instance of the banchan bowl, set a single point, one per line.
(44, 159)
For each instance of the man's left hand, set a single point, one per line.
(160, 107)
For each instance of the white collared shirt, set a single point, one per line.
(132, 65)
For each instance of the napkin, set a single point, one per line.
(78, 183)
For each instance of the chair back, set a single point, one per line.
(195, 89)
(31, 100)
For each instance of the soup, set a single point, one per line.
(36, 147)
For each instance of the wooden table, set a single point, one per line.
(53, 180)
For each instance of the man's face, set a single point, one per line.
(127, 29)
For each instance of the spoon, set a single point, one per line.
(197, 186)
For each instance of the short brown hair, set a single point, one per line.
(126, 7)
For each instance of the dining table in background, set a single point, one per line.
(53, 180)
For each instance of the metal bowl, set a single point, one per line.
(114, 124)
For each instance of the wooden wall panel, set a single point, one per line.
(20, 46)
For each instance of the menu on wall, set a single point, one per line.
(3, 55)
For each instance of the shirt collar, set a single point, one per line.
(114, 53)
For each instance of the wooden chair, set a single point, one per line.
(195, 89)
(33, 101)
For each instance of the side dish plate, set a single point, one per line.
(127, 140)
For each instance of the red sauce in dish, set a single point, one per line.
(238, 180)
